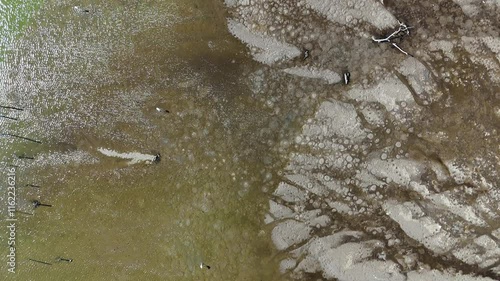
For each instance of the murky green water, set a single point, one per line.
(91, 76)
(14, 16)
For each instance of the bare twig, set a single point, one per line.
(401, 50)
(400, 32)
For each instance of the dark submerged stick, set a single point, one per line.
(42, 262)
(7, 117)
(24, 138)
(37, 204)
(23, 156)
(11, 107)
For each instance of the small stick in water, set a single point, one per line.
(16, 136)
(59, 259)
(7, 117)
(11, 107)
(42, 262)
(23, 156)
(32, 185)
(37, 204)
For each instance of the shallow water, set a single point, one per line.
(91, 77)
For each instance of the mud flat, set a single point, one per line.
(395, 175)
